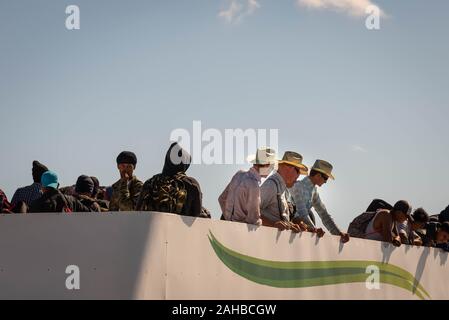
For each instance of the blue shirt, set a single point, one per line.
(305, 195)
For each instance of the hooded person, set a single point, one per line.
(84, 189)
(99, 195)
(32, 192)
(172, 191)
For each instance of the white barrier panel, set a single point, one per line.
(163, 256)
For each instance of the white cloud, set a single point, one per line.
(238, 9)
(253, 5)
(352, 7)
(357, 148)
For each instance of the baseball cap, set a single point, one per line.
(50, 180)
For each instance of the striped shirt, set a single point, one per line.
(27, 194)
(306, 196)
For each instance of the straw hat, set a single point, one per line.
(294, 159)
(323, 167)
(263, 156)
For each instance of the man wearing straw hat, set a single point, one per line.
(240, 201)
(306, 196)
(274, 207)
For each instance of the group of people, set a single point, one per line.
(270, 193)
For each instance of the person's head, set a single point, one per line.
(49, 181)
(442, 235)
(264, 169)
(84, 186)
(318, 178)
(177, 160)
(263, 161)
(420, 218)
(444, 215)
(126, 162)
(321, 172)
(290, 167)
(289, 173)
(401, 211)
(96, 186)
(37, 171)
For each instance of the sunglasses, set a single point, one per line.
(325, 178)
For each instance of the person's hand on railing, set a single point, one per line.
(281, 225)
(344, 237)
(396, 241)
(319, 231)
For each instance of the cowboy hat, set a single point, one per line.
(294, 159)
(323, 167)
(263, 156)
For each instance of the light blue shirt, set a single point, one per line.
(305, 196)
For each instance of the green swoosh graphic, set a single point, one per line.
(303, 274)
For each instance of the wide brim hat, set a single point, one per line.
(323, 167)
(263, 156)
(294, 159)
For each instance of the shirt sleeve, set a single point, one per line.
(326, 218)
(302, 213)
(253, 203)
(267, 196)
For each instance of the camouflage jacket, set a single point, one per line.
(125, 195)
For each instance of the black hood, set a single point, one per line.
(176, 160)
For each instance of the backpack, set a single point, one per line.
(377, 204)
(165, 194)
(358, 226)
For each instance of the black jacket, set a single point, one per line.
(177, 162)
(54, 201)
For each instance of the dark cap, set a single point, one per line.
(84, 184)
(420, 215)
(38, 170)
(127, 157)
(404, 207)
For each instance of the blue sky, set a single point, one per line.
(373, 103)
